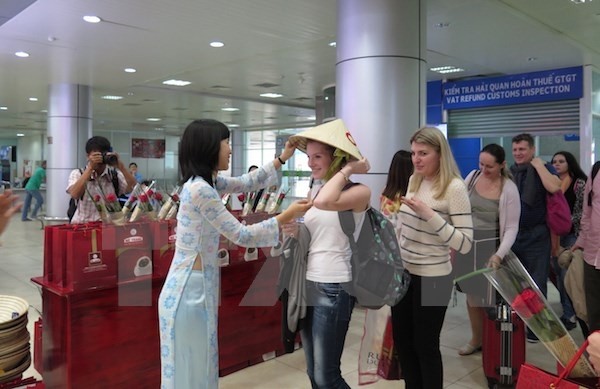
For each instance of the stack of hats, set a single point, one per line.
(15, 356)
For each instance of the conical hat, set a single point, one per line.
(333, 133)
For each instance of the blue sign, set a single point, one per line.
(535, 87)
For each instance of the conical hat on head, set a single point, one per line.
(332, 133)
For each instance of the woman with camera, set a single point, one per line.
(104, 170)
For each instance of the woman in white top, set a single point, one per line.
(328, 267)
(496, 209)
(436, 216)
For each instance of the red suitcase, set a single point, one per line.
(503, 349)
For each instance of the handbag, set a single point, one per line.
(558, 213)
(531, 377)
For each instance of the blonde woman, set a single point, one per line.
(436, 216)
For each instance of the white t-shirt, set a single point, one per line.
(329, 252)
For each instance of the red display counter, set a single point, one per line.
(107, 337)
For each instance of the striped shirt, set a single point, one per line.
(425, 244)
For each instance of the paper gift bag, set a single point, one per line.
(377, 358)
(531, 377)
(88, 264)
(163, 247)
(55, 250)
(132, 244)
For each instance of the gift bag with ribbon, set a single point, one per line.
(377, 358)
(532, 377)
(88, 264)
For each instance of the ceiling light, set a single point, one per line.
(233, 125)
(44, 111)
(153, 119)
(92, 19)
(230, 109)
(130, 70)
(447, 69)
(19, 134)
(177, 82)
(217, 44)
(271, 95)
(3, 108)
(33, 99)
(333, 44)
(531, 59)
(110, 97)
(22, 54)
(159, 129)
(580, 1)
(442, 25)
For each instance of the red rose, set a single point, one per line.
(528, 303)
(158, 196)
(132, 198)
(143, 198)
(96, 198)
(175, 197)
(150, 192)
(241, 197)
(111, 197)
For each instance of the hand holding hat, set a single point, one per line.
(361, 166)
(288, 151)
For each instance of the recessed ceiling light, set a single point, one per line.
(217, 44)
(19, 134)
(531, 59)
(92, 19)
(230, 109)
(333, 44)
(177, 82)
(44, 111)
(442, 25)
(233, 125)
(33, 99)
(110, 97)
(153, 119)
(3, 108)
(130, 70)
(271, 95)
(22, 54)
(580, 1)
(159, 129)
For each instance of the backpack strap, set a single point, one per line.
(347, 218)
(114, 176)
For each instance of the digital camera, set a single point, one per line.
(109, 159)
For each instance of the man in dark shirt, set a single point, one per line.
(534, 178)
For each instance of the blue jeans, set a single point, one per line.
(39, 200)
(532, 247)
(324, 333)
(567, 307)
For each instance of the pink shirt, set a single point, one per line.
(590, 224)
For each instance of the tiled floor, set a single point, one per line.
(21, 259)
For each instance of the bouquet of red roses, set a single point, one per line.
(517, 287)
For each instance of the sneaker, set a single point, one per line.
(568, 323)
(531, 338)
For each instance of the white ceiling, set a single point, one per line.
(282, 42)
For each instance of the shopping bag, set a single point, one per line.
(377, 358)
(531, 377)
(163, 245)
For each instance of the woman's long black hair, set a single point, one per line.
(199, 149)
(575, 170)
(400, 171)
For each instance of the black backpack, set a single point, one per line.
(74, 203)
(378, 274)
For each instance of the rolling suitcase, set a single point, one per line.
(503, 348)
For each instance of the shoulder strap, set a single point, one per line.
(473, 180)
(595, 169)
(114, 176)
(81, 198)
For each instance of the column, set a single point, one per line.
(381, 78)
(69, 128)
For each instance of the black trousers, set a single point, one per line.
(591, 279)
(417, 322)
